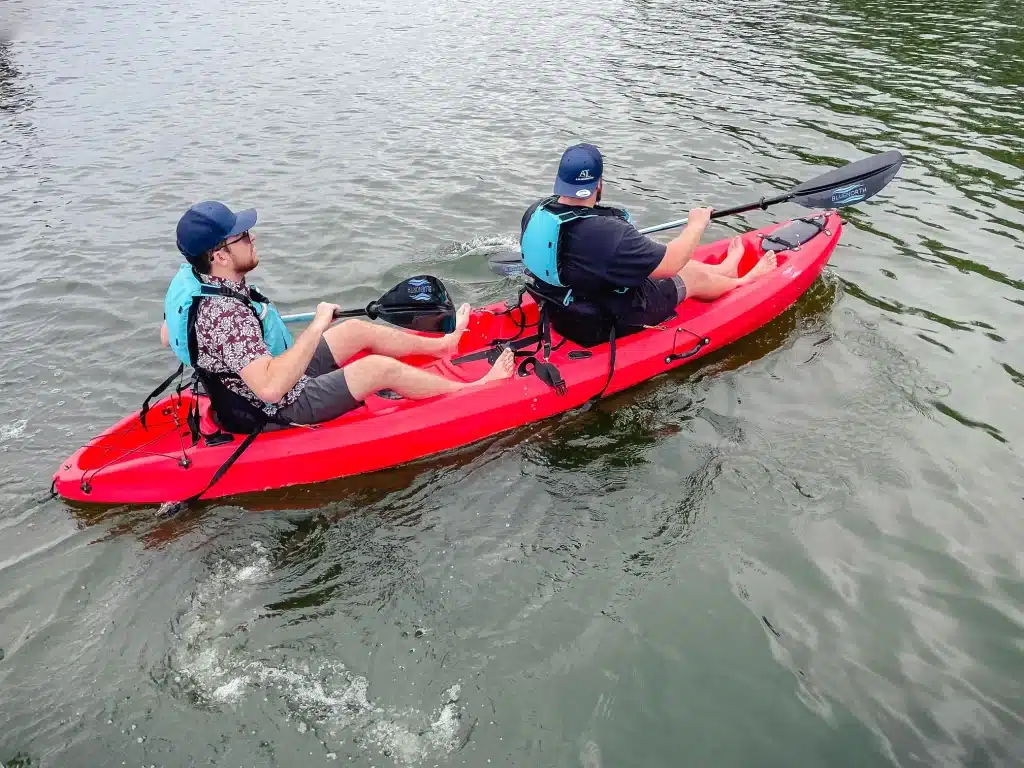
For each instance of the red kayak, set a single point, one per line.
(130, 463)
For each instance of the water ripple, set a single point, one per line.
(814, 533)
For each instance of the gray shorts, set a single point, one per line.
(325, 396)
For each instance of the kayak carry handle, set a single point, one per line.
(674, 356)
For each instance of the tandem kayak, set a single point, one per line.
(159, 461)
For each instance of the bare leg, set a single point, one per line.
(374, 372)
(729, 267)
(706, 285)
(352, 336)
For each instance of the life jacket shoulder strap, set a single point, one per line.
(222, 290)
(257, 295)
(193, 313)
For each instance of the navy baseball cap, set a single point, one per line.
(579, 171)
(208, 224)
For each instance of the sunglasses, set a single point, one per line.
(244, 236)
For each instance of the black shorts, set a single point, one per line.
(325, 396)
(588, 325)
(661, 300)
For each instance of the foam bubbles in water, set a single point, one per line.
(406, 746)
(318, 693)
(590, 755)
(231, 691)
(13, 430)
(226, 588)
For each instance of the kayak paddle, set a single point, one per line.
(852, 183)
(420, 303)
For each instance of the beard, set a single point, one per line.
(598, 198)
(247, 263)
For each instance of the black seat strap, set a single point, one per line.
(157, 392)
(545, 329)
(521, 324)
(493, 351)
(611, 369)
(170, 509)
(544, 371)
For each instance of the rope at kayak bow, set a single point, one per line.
(123, 453)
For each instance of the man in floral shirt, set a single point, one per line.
(306, 383)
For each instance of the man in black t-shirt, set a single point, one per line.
(609, 264)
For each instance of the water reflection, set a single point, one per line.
(15, 95)
(899, 308)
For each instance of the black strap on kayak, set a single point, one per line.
(491, 353)
(192, 419)
(159, 391)
(545, 329)
(542, 338)
(544, 371)
(611, 369)
(173, 508)
(543, 368)
(792, 235)
(510, 307)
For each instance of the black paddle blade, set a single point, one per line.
(508, 263)
(851, 184)
(421, 303)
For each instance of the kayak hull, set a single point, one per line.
(129, 463)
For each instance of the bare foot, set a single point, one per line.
(730, 266)
(767, 263)
(453, 338)
(502, 368)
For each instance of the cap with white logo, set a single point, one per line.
(579, 171)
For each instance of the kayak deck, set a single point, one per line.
(156, 463)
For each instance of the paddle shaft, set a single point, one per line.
(305, 317)
(761, 204)
(373, 311)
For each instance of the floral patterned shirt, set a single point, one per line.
(229, 337)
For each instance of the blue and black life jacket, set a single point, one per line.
(184, 296)
(182, 302)
(541, 240)
(577, 313)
